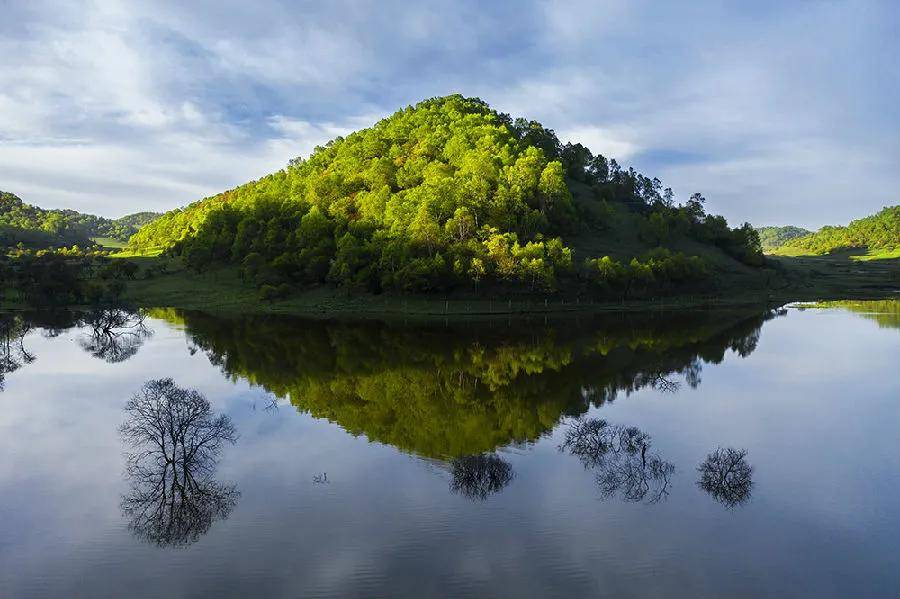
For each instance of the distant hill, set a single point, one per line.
(450, 193)
(36, 227)
(773, 237)
(137, 220)
(879, 233)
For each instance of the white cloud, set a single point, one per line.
(600, 141)
(772, 111)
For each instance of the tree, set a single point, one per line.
(479, 476)
(726, 476)
(115, 334)
(176, 439)
(621, 458)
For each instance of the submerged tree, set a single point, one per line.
(176, 439)
(13, 354)
(726, 476)
(621, 458)
(479, 476)
(115, 334)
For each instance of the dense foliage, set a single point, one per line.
(880, 231)
(448, 395)
(132, 222)
(445, 194)
(773, 237)
(34, 227)
(62, 277)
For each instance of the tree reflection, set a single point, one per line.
(115, 334)
(464, 389)
(479, 476)
(726, 476)
(621, 458)
(13, 354)
(175, 439)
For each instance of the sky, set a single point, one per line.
(778, 112)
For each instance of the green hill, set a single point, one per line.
(135, 221)
(37, 228)
(452, 194)
(774, 237)
(879, 234)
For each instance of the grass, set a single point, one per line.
(221, 290)
(859, 254)
(109, 243)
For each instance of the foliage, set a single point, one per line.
(879, 231)
(470, 390)
(446, 194)
(774, 237)
(34, 227)
(62, 277)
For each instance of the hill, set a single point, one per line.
(774, 237)
(136, 220)
(37, 228)
(451, 194)
(879, 234)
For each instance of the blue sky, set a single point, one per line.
(778, 112)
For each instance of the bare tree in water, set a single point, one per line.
(13, 354)
(479, 476)
(726, 476)
(115, 334)
(621, 458)
(175, 439)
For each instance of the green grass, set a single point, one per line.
(862, 253)
(127, 252)
(221, 290)
(109, 243)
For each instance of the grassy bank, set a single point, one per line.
(222, 290)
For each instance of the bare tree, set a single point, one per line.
(175, 439)
(726, 476)
(115, 334)
(13, 354)
(621, 458)
(479, 476)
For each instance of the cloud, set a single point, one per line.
(777, 112)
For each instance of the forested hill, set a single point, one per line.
(35, 227)
(448, 194)
(880, 233)
(774, 237)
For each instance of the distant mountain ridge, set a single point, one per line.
(879, 233)
(774, 237)
(37, 227)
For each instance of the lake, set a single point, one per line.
(737, 453)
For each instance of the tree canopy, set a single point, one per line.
(448, 193)
(879, 231)
(773, 237)
(38, 228)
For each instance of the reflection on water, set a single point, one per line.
(175, 441)
(726, 476)
(884, 312)
(111, 334)
(115, 335)
(489, 445)
(448, 392)
(621, 458)
(13, 353)
(478, 476)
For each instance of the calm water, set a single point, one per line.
(699, 454)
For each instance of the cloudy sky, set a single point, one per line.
(779, 112)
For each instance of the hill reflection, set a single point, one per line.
(455, 391)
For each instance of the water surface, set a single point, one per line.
(701, 454)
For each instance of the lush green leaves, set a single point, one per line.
(877, 232)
